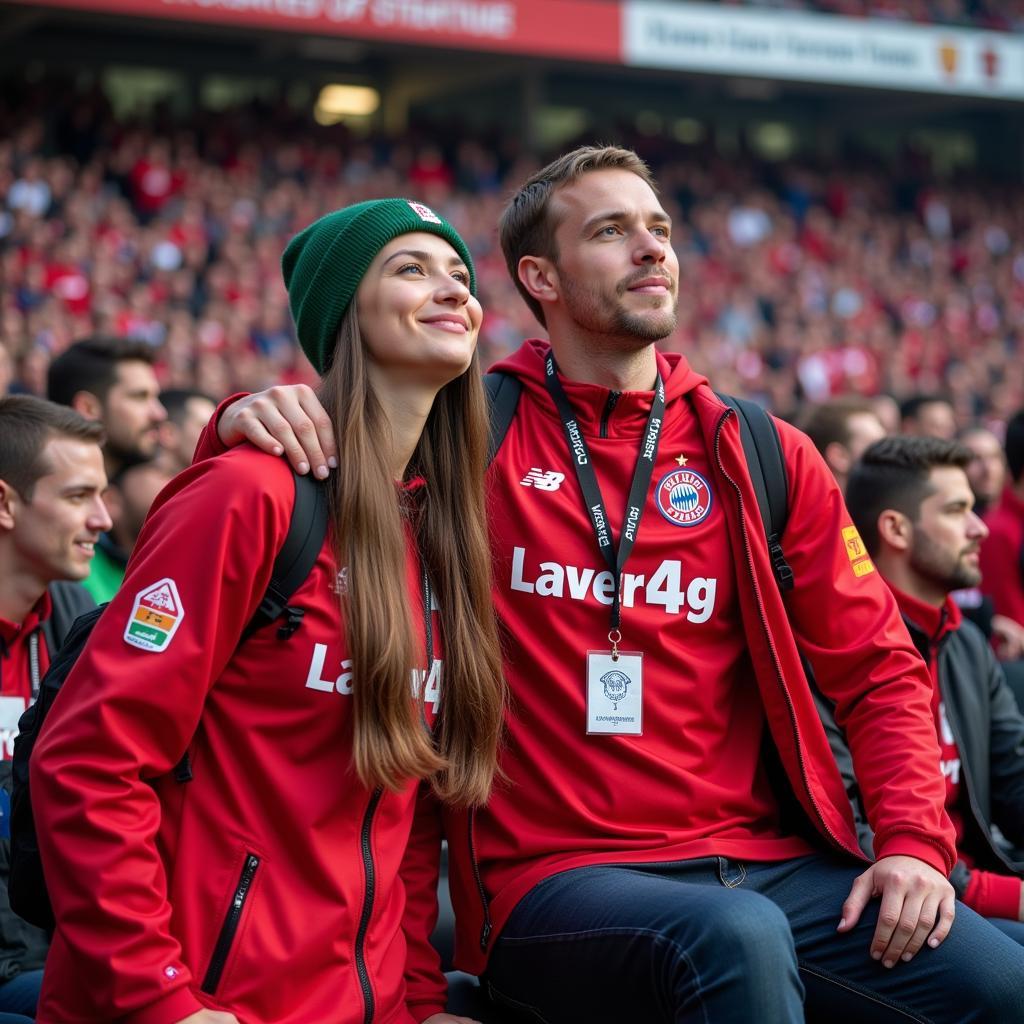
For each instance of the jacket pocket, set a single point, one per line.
(232, 920)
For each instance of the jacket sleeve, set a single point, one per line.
(127, 715)
(848, 628)
(426, 988)
(1006, 739)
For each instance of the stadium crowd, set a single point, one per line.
(1001, 15)
(801, 281)
(799, 284)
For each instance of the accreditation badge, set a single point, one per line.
(615, 693)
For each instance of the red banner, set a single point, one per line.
(576, 29)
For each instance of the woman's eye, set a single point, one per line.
(414, 267)
(461, 276)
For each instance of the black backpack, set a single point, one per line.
(26, 885)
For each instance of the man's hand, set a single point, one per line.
(210, 1017)
(447, 1018)
(288, 420)
(917, 904)
(1008, 635)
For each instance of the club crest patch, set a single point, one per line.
(156, 615)
(683, 497)
(424, 213)
(860, 561)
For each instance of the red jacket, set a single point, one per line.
(1002, 576)
(267, 885)
(571, 799)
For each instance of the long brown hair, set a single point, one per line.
(391, 743)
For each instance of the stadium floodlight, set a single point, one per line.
(337, 101)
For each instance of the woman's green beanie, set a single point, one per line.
(324, 264)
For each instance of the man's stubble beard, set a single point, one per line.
(934, 563)
(594, 312)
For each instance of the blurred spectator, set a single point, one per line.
(128, 499)
(111, 380)
(804, 281)
(188, 411)
(912, 504)
(928, 416)
(841, 429)
(51, 514)
(1002, 553)
(987, 469)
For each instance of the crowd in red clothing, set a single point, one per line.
(1002, 15)
(798, 281)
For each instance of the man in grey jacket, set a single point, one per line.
(912, 503)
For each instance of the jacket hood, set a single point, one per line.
(597, 411)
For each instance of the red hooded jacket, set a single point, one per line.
(267, 885)
(573, 799)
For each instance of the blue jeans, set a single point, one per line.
(722, 942)
(20, 995)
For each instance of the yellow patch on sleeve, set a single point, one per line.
(856, 552)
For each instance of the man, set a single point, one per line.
(111, 381)
(912, 503)
(128, 499)
(841, 429)
(188, 411)
(928, 416)
(51, 515)
(986, 472)
(1002, 553)
(645, 861)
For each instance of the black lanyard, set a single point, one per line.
(580, 454)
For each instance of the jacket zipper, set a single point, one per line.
(609, 408)
(364, 918)
(485, 931)
(771, 643)
(230, 927)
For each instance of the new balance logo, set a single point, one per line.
(549, 481)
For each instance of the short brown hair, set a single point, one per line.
(525, 229)
(91, 365)
(829, 422)
(27, 424)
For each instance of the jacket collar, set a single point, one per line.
(600, 411)
(925, 620)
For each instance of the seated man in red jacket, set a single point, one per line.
(912, 503)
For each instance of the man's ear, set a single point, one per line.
(10, 502)
(86, 404)
(837, 456)
(895, 529)
(539, 277)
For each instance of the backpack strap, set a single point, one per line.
(295, 560)
(67, 600)
(503, 392)
(762, 449)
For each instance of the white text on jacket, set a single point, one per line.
(664, 588)
(428, 685)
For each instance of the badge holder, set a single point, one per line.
(615, 681)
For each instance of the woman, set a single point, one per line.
(262, 884)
